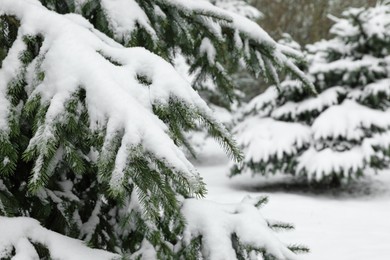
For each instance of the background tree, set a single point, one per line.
(342, 133)
(92, 118)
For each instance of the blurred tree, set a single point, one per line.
(342, 133)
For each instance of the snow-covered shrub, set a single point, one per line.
(344, 130)
(92, 118)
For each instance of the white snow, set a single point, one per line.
(376, 22)
(216, 222)
(123, 16)
(348, 120)
(288, 110)
(323, 100)
(237, 21)
(6, 161)
(88, 228)
(263, 103)
(238, 6)
(266, 103)
(318, 164)
(380, 140)
(348, 65)
(208, 49)
(322, 163)
(264, 138)
(318, 51)
(373, 89)
(146, 250)
(10, 68)
(18, 232)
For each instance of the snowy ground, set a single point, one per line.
(351, 224)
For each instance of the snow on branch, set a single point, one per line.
(318, 165)
(349, 120)
(240, 7)
(375, 22)
(262, 104)
(318, 104)
(24, 234)
(125, 16)
(242, 220)
(276, 138)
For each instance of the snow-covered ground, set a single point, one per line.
(351, 224)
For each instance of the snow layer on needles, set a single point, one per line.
(208, 49)
(318, 103)
(348, 120)
(237, 21)
(325, 99)
(264, 138)
(381, 86)
(239, 7)
(9, 69)
(376, 21)
(243, 219)
(318, 164)
(260, 103)
(122, 20)
(348, 65)
(21, 232)
(381, 140)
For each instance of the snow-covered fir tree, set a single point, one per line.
(92, 118)
(344, 131)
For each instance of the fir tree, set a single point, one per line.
(344, 131)
(92, 118)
